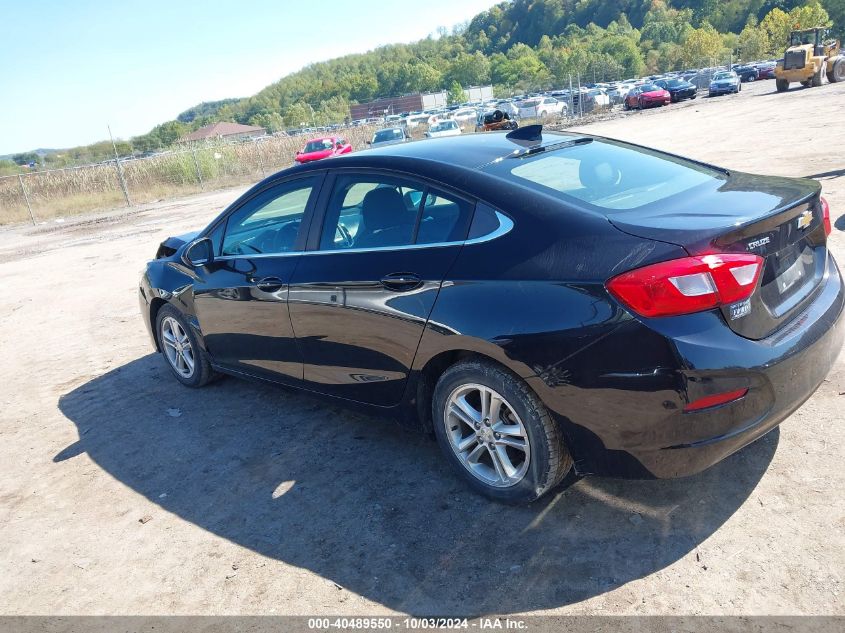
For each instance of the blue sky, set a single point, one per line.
(70, 68)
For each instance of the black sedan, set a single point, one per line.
(747, 72)
(538, 301)
(679, 89)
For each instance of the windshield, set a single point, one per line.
(394, 134)
(650, 88)
(722, 76)
(606, 174)
(675, 83)
(318, 145)
(529, 104)
(445, 125)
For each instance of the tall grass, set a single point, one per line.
(172, 174)
(180, 172)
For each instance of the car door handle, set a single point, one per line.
(269, 284)
(401, 282)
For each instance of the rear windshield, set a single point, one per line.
(608, 175)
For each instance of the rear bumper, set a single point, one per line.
(632, 423)
(780, 373)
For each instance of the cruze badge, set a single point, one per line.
(761, 242)
(805, 219)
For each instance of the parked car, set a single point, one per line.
(597, 98)
(508, 107)
(415, 120)
(389, 136)
(483, 288)
(320, 148)
(647, 96)
(494, 120)
(747, 72)
(540, 107)
(464, 115)
(678, 89)
(724, 82)
(766, 70)
(444, 128)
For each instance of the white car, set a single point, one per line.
(540, 107)
(508, 107)
(464, 115)
(449, 127)
(415, 120)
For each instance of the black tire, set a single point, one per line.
(202, 372)
(816, 81)
(782, 85)
(549, 460)
(837, 72)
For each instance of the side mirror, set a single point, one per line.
(369, 142)
(200, 252)
(298, 153)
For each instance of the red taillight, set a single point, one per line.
(715, 400)
(691, 284)
(826, 216)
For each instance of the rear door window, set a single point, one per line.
(366, 212)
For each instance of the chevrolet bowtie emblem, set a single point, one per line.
(805, 219)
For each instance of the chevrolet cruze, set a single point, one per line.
(540, 302)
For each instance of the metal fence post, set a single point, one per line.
(580, 98)
(571, 99)
(26, 197)
(119, 171)
(197, 166)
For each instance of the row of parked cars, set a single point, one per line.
(504, 114)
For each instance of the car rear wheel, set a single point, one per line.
(181, 349)
(497, 434)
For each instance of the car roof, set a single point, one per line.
(470, 151)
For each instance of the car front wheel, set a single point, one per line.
(497, 434)
(181, 349)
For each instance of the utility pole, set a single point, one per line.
(119, 170)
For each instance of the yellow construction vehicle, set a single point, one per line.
(810, 56)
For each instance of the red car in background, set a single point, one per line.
(767, 70)
(647, 96)
(319, 148)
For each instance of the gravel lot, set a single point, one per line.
(122, 492)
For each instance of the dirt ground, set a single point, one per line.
(123, 492)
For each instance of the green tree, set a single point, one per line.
(456, 94)
(270, 121)
(25, 158)
(753, 42)
(702, 44)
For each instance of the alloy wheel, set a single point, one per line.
(487, 435)
(177, 347)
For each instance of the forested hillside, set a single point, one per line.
(517, 45)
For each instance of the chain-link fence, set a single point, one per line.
(40, 195)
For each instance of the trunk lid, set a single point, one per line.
(779, 219)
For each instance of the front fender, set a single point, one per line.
(166, 281)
